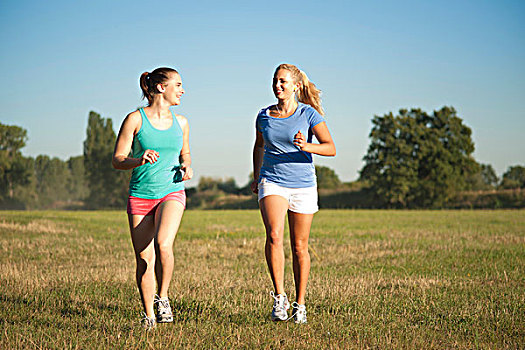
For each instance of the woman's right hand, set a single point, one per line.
(255, 186)
(149, 156)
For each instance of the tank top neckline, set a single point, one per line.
(144, 116)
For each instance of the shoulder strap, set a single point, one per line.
(145, 120)
(141, 110)
(175, 121)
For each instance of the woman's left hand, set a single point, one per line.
(300, 140)
(188, 172)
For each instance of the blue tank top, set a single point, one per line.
(153, 181)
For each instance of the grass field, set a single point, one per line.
(380, 279)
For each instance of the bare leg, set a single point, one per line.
(299, 232)
(142, 233)
(273, 210)
(167, 220)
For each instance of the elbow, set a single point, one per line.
(115, 163)
(258, 149)
(332, 152)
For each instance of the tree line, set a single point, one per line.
(414, 160)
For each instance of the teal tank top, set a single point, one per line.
(153, 181)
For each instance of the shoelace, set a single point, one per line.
(298, 308)
(164, 303)
(150, 320)
(278, 303)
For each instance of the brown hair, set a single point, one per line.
(148, 81)
(308, 93)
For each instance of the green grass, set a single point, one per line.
(379, 279)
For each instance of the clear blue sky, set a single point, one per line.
(61, 59)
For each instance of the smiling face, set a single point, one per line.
(283, 84)
(173, 89)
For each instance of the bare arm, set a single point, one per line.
(258, 153)
(326, 146)
(121, 159)
(185, 155)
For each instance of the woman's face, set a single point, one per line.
(283, 85)
(173, 89)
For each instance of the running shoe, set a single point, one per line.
(164, 313)
(148, 323)
(299, 313)
(280, 307)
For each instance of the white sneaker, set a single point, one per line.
(280, 307)
(164, 313)
(299, 313)
(148, 323)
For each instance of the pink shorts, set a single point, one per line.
(142, 206)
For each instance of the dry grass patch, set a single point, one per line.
(36, 226)
(379, 279)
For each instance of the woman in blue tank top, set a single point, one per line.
(285, 181)
(154, 142)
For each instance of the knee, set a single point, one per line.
(146, 260)
(274, 237)
(300, 250)
(165, 249)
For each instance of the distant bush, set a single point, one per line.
(489, 200)
(326, 177)
(514, 177)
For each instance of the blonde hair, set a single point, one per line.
(308, 93)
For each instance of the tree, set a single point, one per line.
(207, 183)
(52, 177)
(12, 138)
(247, 188)
(418, 160)
(77, 185)
(326, 177)
(484, 179)
(514, 177)
(14, 168)
(489, 176)
(107, 186)
(25, 195)
(228, 185)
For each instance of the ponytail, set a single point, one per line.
(148, 81)
(144, 87)
(308, 93)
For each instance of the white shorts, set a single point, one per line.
(300, 200)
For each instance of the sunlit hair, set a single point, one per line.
(149, 81)
(308, 93)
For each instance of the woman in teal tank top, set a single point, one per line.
(154, 142)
